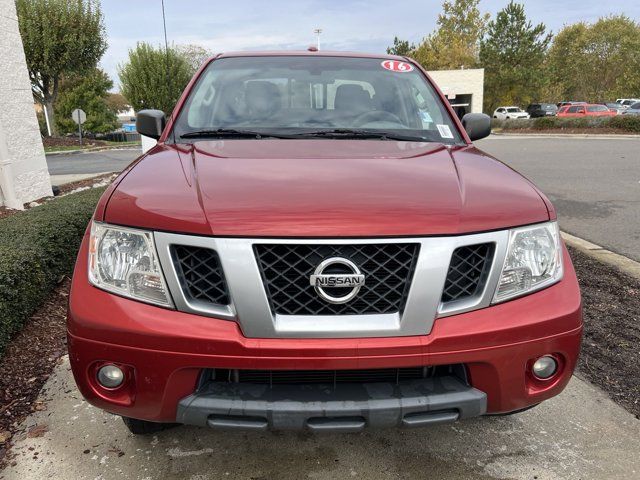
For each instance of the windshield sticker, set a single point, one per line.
(445, 131)
(396, 66)
(426, 117)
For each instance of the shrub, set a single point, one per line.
(516, 124)
(543, 123)
(495, 123)
(38, 247)
(628, 123)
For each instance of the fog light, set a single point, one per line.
(545, 367)
(110, 376)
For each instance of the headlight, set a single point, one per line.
(124, 261)
(533, 261)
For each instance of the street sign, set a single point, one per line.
(79, 116)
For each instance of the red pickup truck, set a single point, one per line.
(315, 243)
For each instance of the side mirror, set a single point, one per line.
(477, 125)
(150, 123)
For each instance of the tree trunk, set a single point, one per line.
(48, 111)
(49, 99)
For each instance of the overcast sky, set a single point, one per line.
(275, 24)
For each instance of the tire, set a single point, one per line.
(142, 427)
(515, 412)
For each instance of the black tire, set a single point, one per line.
(142, 427)
(515, 412)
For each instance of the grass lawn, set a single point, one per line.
(105, 144)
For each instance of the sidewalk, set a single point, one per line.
(60, 180)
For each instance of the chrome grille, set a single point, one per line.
(468, 271)
(200, 274)
(388, 270)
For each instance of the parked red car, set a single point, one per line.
(315, 243)
(587, 110)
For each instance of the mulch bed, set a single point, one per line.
(70, 142)
(64, 189)
(89, 182)
(28, 362)
(5, 212)
(610, 355)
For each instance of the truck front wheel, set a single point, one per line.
(142, 427)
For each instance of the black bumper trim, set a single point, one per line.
(318, 407)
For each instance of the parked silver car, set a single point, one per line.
(633, 109)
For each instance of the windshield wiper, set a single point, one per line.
(231, 132)
(349, 133)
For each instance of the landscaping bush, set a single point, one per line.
(543, 123)
(517, 124)
(38, 247)
(628, 123)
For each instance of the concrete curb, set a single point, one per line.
(591, 136)
(91, 150)
(622, 263)
(60, 180)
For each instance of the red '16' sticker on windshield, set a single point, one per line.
(396, 66)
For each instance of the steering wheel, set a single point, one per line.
(375, 116)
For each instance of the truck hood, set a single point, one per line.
(322, 188)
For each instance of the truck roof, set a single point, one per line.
(310, 53)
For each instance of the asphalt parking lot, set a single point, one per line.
(594, 183)
(580, 434)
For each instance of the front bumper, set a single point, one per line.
(166, 351)
(348, 408)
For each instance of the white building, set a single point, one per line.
(23, 169)
(463, 88)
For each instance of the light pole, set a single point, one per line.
(318, 31)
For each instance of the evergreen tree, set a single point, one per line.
(401, 47)
(513, 54)
(88, 92)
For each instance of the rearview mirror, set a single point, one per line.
(477, 125)
(150, 123)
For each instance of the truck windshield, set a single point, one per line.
(314, 96)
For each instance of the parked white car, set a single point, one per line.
(506, 113)
(627, 102)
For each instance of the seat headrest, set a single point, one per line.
(353, 98)
(262, 98)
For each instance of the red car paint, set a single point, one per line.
(264, 191)
(277, 188)
(585, 110)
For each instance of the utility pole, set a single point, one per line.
(318, 31)
(164, 26)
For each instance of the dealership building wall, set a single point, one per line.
(463, 88)
(23, 168)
